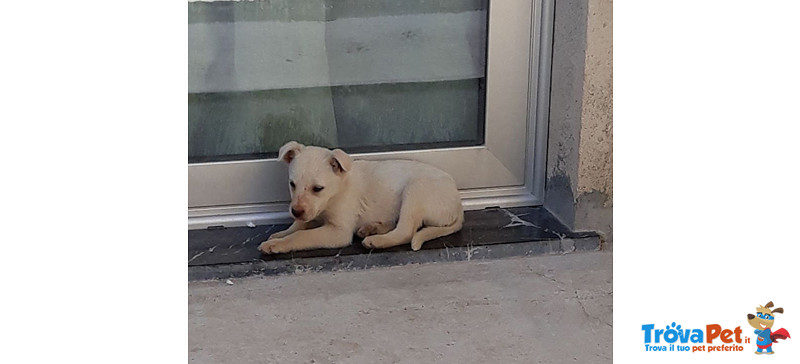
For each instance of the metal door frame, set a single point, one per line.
(507, 171)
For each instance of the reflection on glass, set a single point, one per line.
(364, 75)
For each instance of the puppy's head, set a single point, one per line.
(315, 176)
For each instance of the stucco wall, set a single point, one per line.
(594, 172)
(579, 186)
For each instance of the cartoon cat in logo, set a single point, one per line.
(762, 321)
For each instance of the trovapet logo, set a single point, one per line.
(716, 338)
(763, 321)
(673, 338)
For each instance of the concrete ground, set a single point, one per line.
(544, 309)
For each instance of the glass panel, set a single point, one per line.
(366, 75)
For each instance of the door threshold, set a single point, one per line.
(492, 233)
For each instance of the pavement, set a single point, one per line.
(540, 309)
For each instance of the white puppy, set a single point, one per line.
(385, 202)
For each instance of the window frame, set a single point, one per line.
(507, 171)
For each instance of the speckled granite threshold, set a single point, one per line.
(487, 234)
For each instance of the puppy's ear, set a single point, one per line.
(769, 304)
(340, 161)
(290, 150)
(778, 310)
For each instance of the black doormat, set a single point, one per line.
(491, 233)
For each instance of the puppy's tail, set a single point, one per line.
(433, 232)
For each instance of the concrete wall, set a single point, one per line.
(579, 188)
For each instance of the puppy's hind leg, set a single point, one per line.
(433, 232)
(375, 228)
(409, 221)
(406, 226)
(441, 210)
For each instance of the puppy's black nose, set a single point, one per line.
(297, 213)
(750, 316)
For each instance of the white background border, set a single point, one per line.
(94, 148)
(705, 171)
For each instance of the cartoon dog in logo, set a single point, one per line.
(762, 321)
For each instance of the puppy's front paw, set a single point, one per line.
(275, 246)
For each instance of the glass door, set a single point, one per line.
(451, 83)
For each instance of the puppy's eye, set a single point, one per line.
(318, 188)
(291, 183)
